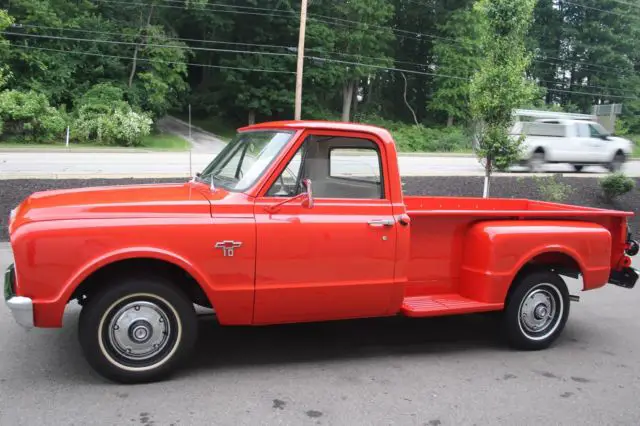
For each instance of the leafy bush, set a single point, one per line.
(103, 116)
(615, 185)
(27, 116)
(412, 138)
(551, 189)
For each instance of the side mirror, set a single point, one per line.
(307, 198)
(308, 202)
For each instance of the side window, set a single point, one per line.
(339, 168)
(353, 171)
(595, 133)
(355, 164)
(289, 183)
(583, 130)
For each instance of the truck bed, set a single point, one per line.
(440, 248)
(500, 207)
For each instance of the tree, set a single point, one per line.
(365, 34)
(5, 21)
(457, 57)
(499, 85)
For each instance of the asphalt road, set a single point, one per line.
(445, 371)
(29, 165)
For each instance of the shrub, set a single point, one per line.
(412, 138)
(27, 116)
(551, 189)
(103, 116)
(615, 185)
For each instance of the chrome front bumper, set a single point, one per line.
(21, 307)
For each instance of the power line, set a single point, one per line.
(627, 3)
(289, 72)
(592, 94)
(272, 46)
(254, 53)
(129, 43)
(626, 15)
(287, 14)
(583, 64)
(232, 51)
(152, 60)
(169, 6)
(268, 46)
(583, 85)
(327, 20)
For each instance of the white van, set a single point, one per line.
(576, 142)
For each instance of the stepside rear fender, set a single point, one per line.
(495, 251)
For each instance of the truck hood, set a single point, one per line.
(111, 202)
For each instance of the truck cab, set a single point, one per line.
(296, 221)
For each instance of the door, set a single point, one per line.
(599, 143)
(588, 148)
(334, 259)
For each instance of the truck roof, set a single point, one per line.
(381, 133)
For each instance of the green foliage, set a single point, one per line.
(552, 189)
(28, 116)
(5, 72)
(104, 117)
(499, 86)
(457, 58)
(412, 138)
(64, 48)
(615, 185)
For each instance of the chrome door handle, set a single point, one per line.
(381, 222)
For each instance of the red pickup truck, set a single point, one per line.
(293, 222)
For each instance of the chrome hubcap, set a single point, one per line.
(538, 311)
(139, 330)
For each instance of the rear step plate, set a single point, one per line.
(444, 304)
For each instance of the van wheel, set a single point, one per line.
(578, 167)
(536, 162)
(536, 311)
(137, 330)
(616, 164)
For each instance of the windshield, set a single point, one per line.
(245, 158)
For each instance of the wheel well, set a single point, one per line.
(180, 278)
(558, 262)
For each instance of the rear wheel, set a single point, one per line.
(616, 164)
(536, 311)
(578, 167)
(137, 330)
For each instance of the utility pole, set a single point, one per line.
(303, 24)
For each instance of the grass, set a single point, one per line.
(152, 142)
(165, 142)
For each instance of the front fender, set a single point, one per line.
(495, 251)
(93, 265)
(49, 312)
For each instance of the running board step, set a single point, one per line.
(444, 304)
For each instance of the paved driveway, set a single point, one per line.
(447, 371)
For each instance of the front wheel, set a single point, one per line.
(137, 330)
(536, 311)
